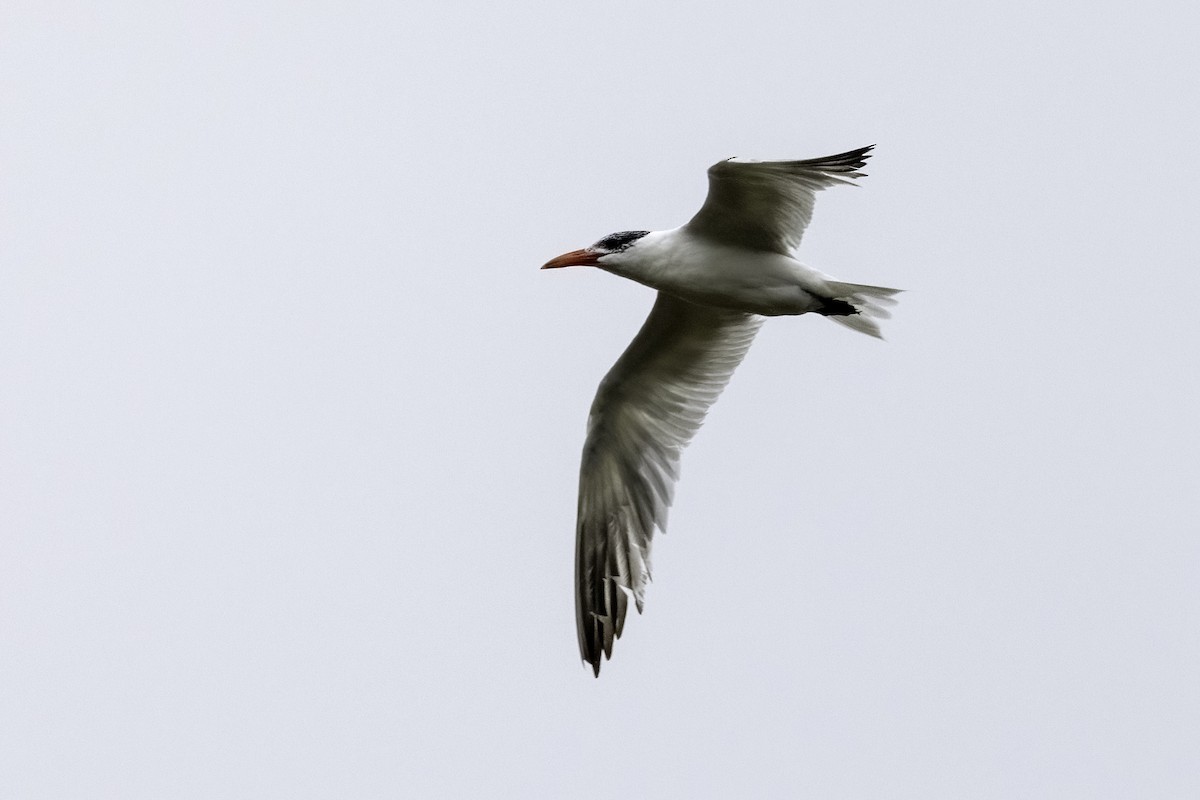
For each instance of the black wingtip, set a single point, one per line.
(851, 159)
(842, 166)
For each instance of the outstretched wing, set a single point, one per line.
(646, 410)
(766, 205)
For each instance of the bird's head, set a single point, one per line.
(607, 253)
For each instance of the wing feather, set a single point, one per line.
(766, 205)
(647, 409)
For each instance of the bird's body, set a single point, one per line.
(720, 275)
(717, 277)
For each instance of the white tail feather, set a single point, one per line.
(872, 303)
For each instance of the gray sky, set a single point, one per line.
(291, 420)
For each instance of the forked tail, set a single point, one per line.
(870, 303)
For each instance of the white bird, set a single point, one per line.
(717, 276)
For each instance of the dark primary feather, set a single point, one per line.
(646, 411)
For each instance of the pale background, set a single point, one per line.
(291, 420)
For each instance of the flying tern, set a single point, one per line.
(717, 277)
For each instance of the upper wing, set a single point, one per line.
(766, 205)
(647, 409)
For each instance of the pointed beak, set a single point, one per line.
(576, 258)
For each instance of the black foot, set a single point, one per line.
(836, 308)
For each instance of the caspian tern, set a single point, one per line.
(717, 277)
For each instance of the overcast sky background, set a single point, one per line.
(291, 421)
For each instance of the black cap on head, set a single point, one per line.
(616, 242)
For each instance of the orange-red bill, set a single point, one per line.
(575, 258)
